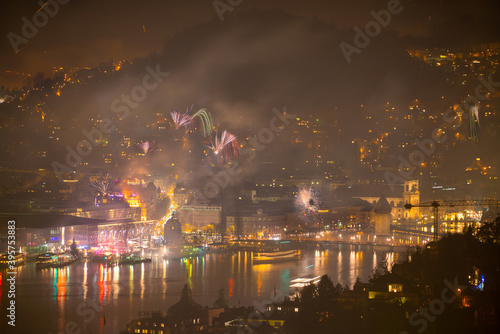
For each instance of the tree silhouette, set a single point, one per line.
(74, 249)
(490, 232)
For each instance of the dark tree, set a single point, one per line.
(490, 232)
(74, 249)
(326, 292)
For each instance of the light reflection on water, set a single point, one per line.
(122, 291)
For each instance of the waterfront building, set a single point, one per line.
(382, 217)
(200, 216)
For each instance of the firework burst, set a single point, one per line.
(308, 201)
(187, 121)
(226, 146)
(102, 184)
(181, 119)
(146, 146)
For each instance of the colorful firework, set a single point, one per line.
(226, 146)
(102, 184)
(206, 121)
(308, 201)
(187, 121)
(181, 119)
(146, 146)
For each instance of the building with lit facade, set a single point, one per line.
(258, 224)
(199, 216)
(408, 193)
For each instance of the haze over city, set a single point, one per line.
(270, 167)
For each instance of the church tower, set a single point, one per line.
(411, 195)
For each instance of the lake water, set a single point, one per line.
(87, 297)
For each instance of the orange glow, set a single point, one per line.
(133, 202)
(231, 284)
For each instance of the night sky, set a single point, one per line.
(101, 81)
(262, 55)
(86, 33)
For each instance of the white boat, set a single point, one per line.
(303, 281)
(273, 257)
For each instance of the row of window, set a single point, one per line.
(154, 324)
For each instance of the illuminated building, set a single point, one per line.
(156, 324)
(257, 224)
(411, 195)
(403, 194)
(200, 216)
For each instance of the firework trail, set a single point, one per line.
(187, 121)
(475, 109)
(206, 121)
(226, 146)
(181, 119)
(308, 201)
(474, 117)
(146, 147)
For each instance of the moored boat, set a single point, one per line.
(131, 258)
(45, 260)
(108, 259)
(192, 251)
(52, 260)
(63, 260)
(15, 260)
(186, 251)
(274, 257)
